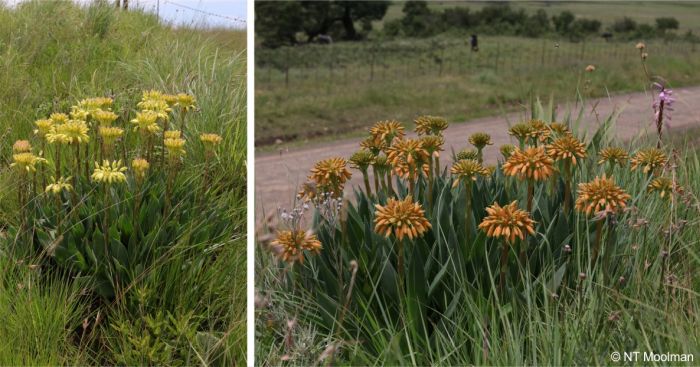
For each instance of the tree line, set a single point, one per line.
(294, 22)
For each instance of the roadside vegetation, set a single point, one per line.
(122, 225)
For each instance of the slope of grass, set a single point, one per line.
(192, 300)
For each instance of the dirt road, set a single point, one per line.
(278, 175)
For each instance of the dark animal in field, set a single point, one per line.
(607, 36)
(475, 43)
(324, 39)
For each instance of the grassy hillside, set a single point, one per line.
(191, 299)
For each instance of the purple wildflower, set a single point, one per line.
(662, 108)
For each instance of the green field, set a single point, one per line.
(169, 287)
(322, 92)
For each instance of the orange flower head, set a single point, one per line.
(613, 155)
(387, 130)
(430, 125)
(330, 175)
(408, 157)
(467, 170)
(508, 222)
(567, 148)
(374, 145)
(433, 144)
(662, 185)
(601, 193)
(402, 217)
(531, 163)
(289, 246)
(650, 160)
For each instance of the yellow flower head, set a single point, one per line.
(507, 150)
(567, 148)
(170, 99)
(175, 147)
(210, 141)
(110, 134)
(172, 134)
(531, 163)
(467, 170)
(362, 159)
(601, 193)
(480, 140)
(21, 146)
(146, 122)
(77, 113)
(649, 159)
(374, 145)
(109, 173)
(521, 131)
(26, 161)
(140, 167)
(73, 132)
(402, 217)
(387, 130)
(43, 127)
(289, 246)
(186, 101)
(662, 185)
(96, 103)
(105, 118)
(508, 222)
(408, 157)
(432, 144)
(330, 175)
(467, 153)
(613, 155)
(60, 185)
(430, 125)
(58, 118)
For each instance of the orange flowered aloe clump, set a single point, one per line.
(508, 222)
(601, 194)
(530, 163)
(402, 218)
(289, 246)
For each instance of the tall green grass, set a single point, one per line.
(191, 301)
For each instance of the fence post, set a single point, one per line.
(286, 70)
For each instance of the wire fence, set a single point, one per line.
(377, 62)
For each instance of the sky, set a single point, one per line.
(217, 13)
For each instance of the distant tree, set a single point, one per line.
(664, 24)
(278, 23)
(587, 25)
(537, 24)
(418, 19)
(459, 17)
(624, 25)
(562, 22)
